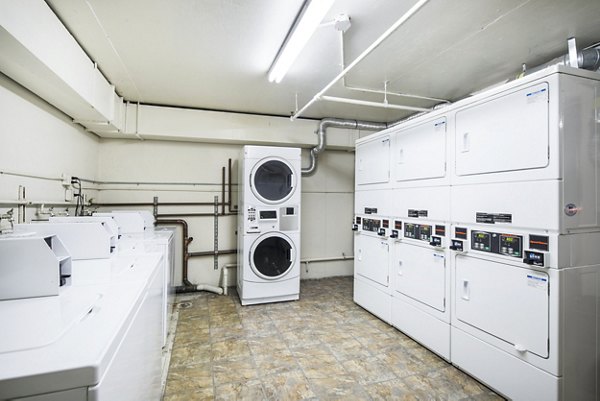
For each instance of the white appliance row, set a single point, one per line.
(100, 335)
(477, 228)
(269, 225)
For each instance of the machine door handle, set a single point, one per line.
(466, 290)
(466, 142)
(520, 348)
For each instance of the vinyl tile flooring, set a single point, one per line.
(322, 347)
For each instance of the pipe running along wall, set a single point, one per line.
(336, 123)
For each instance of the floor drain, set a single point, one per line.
(184, 305)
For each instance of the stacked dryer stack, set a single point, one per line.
(419, 268)
(492, 239)
(269, 225)
(372, 208)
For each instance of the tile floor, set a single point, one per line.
(322, 347)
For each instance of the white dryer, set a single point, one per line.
(270, 175)
(269, 225)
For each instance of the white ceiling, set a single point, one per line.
(215, 54)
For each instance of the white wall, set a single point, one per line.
(37, 140)
(327, 198)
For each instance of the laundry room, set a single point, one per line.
(299, 200)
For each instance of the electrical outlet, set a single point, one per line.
(66, 182)
(68, 194)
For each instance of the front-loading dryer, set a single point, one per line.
(271, 175)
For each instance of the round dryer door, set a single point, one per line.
(273, 180)
(272, 255)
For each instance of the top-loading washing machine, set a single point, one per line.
(269, 225)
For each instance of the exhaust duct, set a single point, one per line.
(335, 123)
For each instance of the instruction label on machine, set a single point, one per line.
(417, 213)
(537, 281)
(493, 218)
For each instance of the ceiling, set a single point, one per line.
(215, 54)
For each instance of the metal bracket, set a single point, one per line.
(572, 53)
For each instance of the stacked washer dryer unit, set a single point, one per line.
(419, 268)
(526, 230)
(372, 206)
(269, 225)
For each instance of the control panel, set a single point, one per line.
(502, 244)
(372, 225)
(251, 220)
(397, 228)
(261, 219)
(420, 232)
(385, 226)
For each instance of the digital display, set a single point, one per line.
(371, 225)
(460, 232)
(501, 244)
(268, 214)
(410, 230)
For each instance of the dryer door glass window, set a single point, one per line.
(273, 180)
(273, 257)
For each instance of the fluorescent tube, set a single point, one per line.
(306, 24)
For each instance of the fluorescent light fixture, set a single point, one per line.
(311, 15)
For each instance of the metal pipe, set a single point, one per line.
(229, 185)
(169, 215)
(587, 59)
(152, 204)
(335, 123)
(155, 207)
(212, 253)
(222, 191)
(185, 243)
(378, 91)
(327, 259)
(372, 104)
(364, 54)
(216, 235)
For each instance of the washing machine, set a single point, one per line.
(269, 225)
